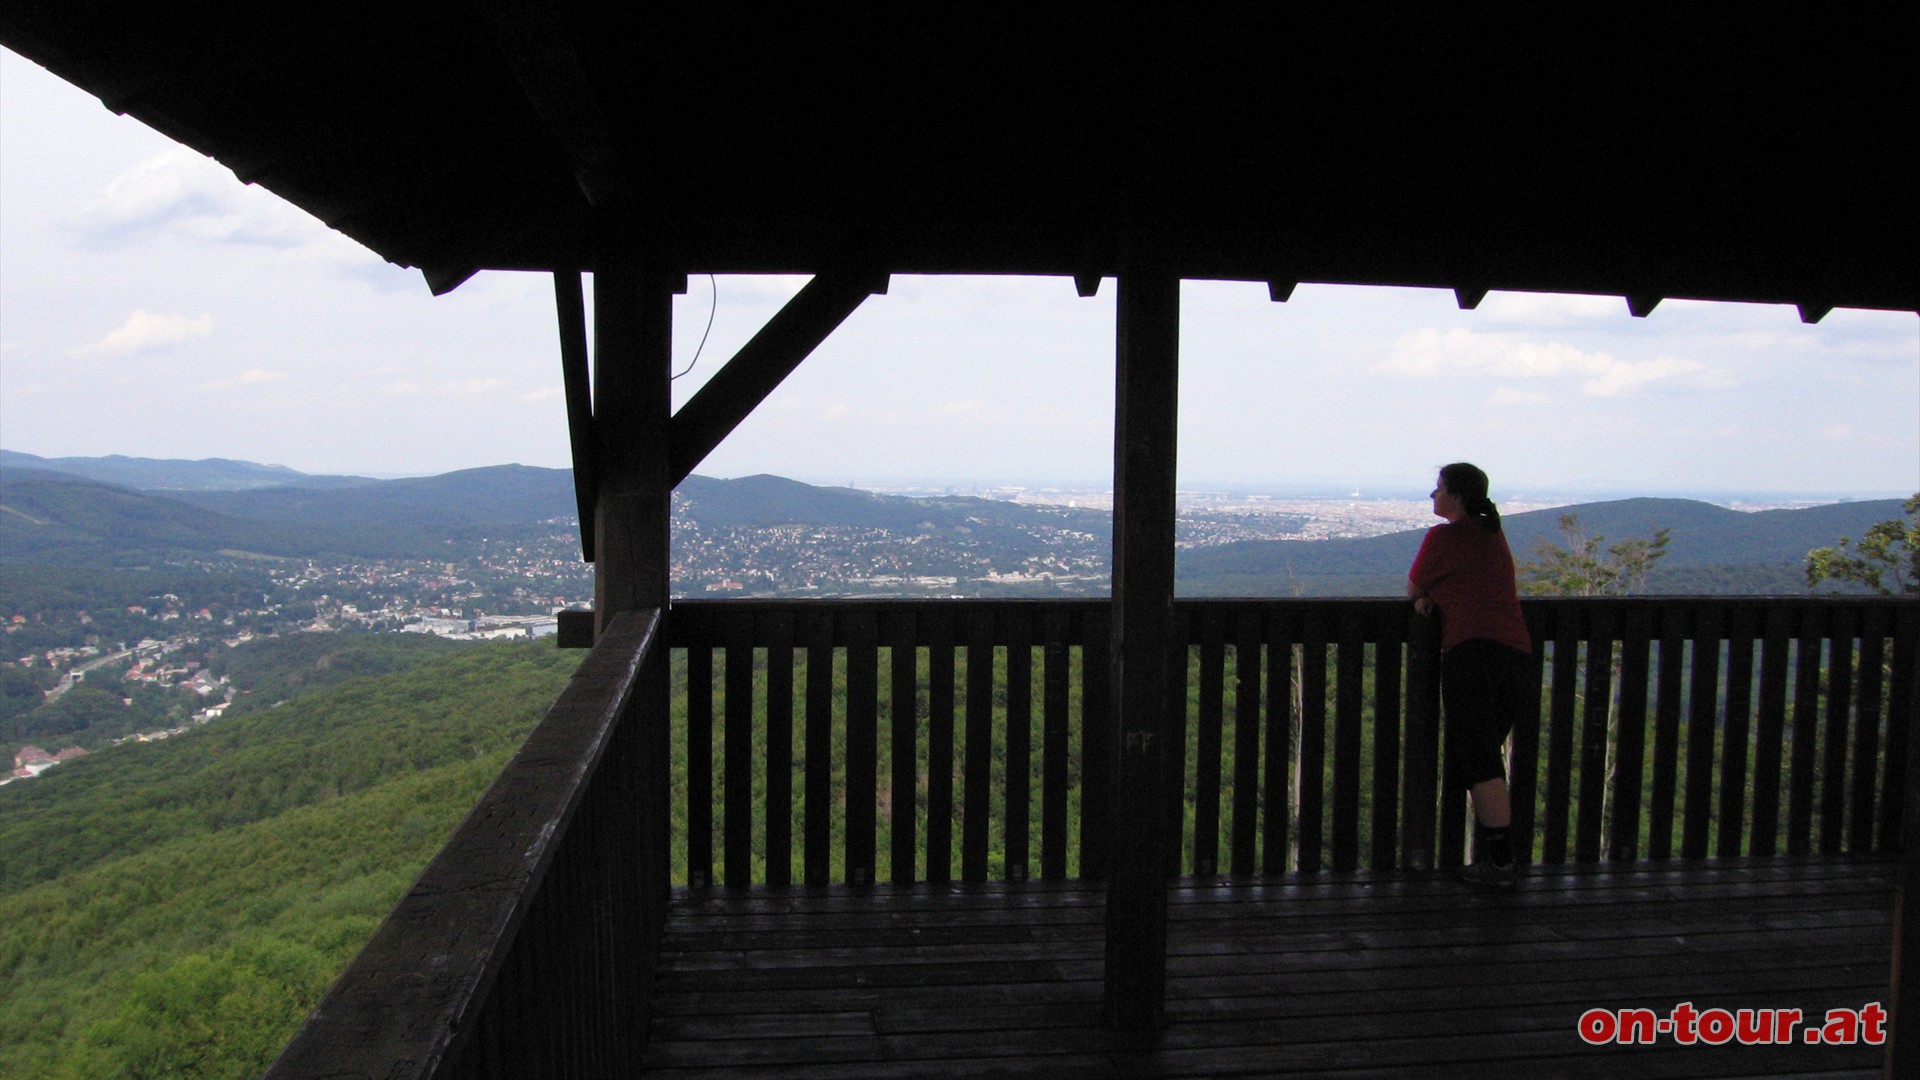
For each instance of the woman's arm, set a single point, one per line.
(1422, 603)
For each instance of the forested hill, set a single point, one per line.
(175, 908)
(61, 519)
(1713, 549)
(462, 504)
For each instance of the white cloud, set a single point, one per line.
(1625, 378)
(1549, 309)
(545, 393)
(182, 193)
(1838, 431)
(1432, 353)
(181, 196)
(145, 331)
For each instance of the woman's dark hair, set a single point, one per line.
(1469, 485)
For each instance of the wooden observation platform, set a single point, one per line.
(1636, 153)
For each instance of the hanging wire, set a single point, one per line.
(711, 308)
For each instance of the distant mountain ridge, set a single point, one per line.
(59, 516)
(173, 474)
(1764, 549)
(456, 502)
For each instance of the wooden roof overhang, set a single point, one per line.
(1640, 152)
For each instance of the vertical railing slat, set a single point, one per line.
(1180, 662)
(1276, 798)
(1310, 775)
(737, 770)
(817, 851)
(1096, 743)
(1055, 743)
(1736, 733)
(976, 815)
(1523, 766)
(1246, 741)
(1630, 738)
(1769, 737)
(1806, 730)
(1207, 742)
(940, 674)
(1703, 715)
(1560, 735)
(1387, 631)
(1348, 664)
(1666, 734)
(1018, 806)
(699, 765)
(903, 706)
(1837, 733)
(862, 746)
(1866, 731)
(1420, 781)
(779, 637)
(1589, 823)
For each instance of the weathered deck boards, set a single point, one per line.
(1352, 975)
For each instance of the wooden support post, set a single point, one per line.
(1146, 407)
(633, 313)
(1903, 1040)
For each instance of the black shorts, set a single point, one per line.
(1484, 685)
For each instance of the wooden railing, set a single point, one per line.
(1668, 727)
(1687, 728)
(525, 949)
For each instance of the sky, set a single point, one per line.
(152, 305)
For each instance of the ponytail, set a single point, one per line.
(1484, 510)
(1469, 485)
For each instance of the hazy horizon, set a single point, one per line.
(1321, 488)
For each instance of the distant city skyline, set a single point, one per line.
(151, 305)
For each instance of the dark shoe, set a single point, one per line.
(1489, 875)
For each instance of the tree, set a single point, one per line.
(1886, 561)
(1580, 567)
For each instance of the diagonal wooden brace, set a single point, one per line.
(762, 364)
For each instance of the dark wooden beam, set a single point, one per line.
(1146, 407)
(633, 313)
(762, 364)
(541, 52)
(571, 305)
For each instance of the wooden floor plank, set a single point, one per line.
(1351, 975)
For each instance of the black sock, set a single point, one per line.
(1495, 846)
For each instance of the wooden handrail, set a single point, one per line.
(524, 949)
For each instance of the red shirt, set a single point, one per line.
(1467, 570)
